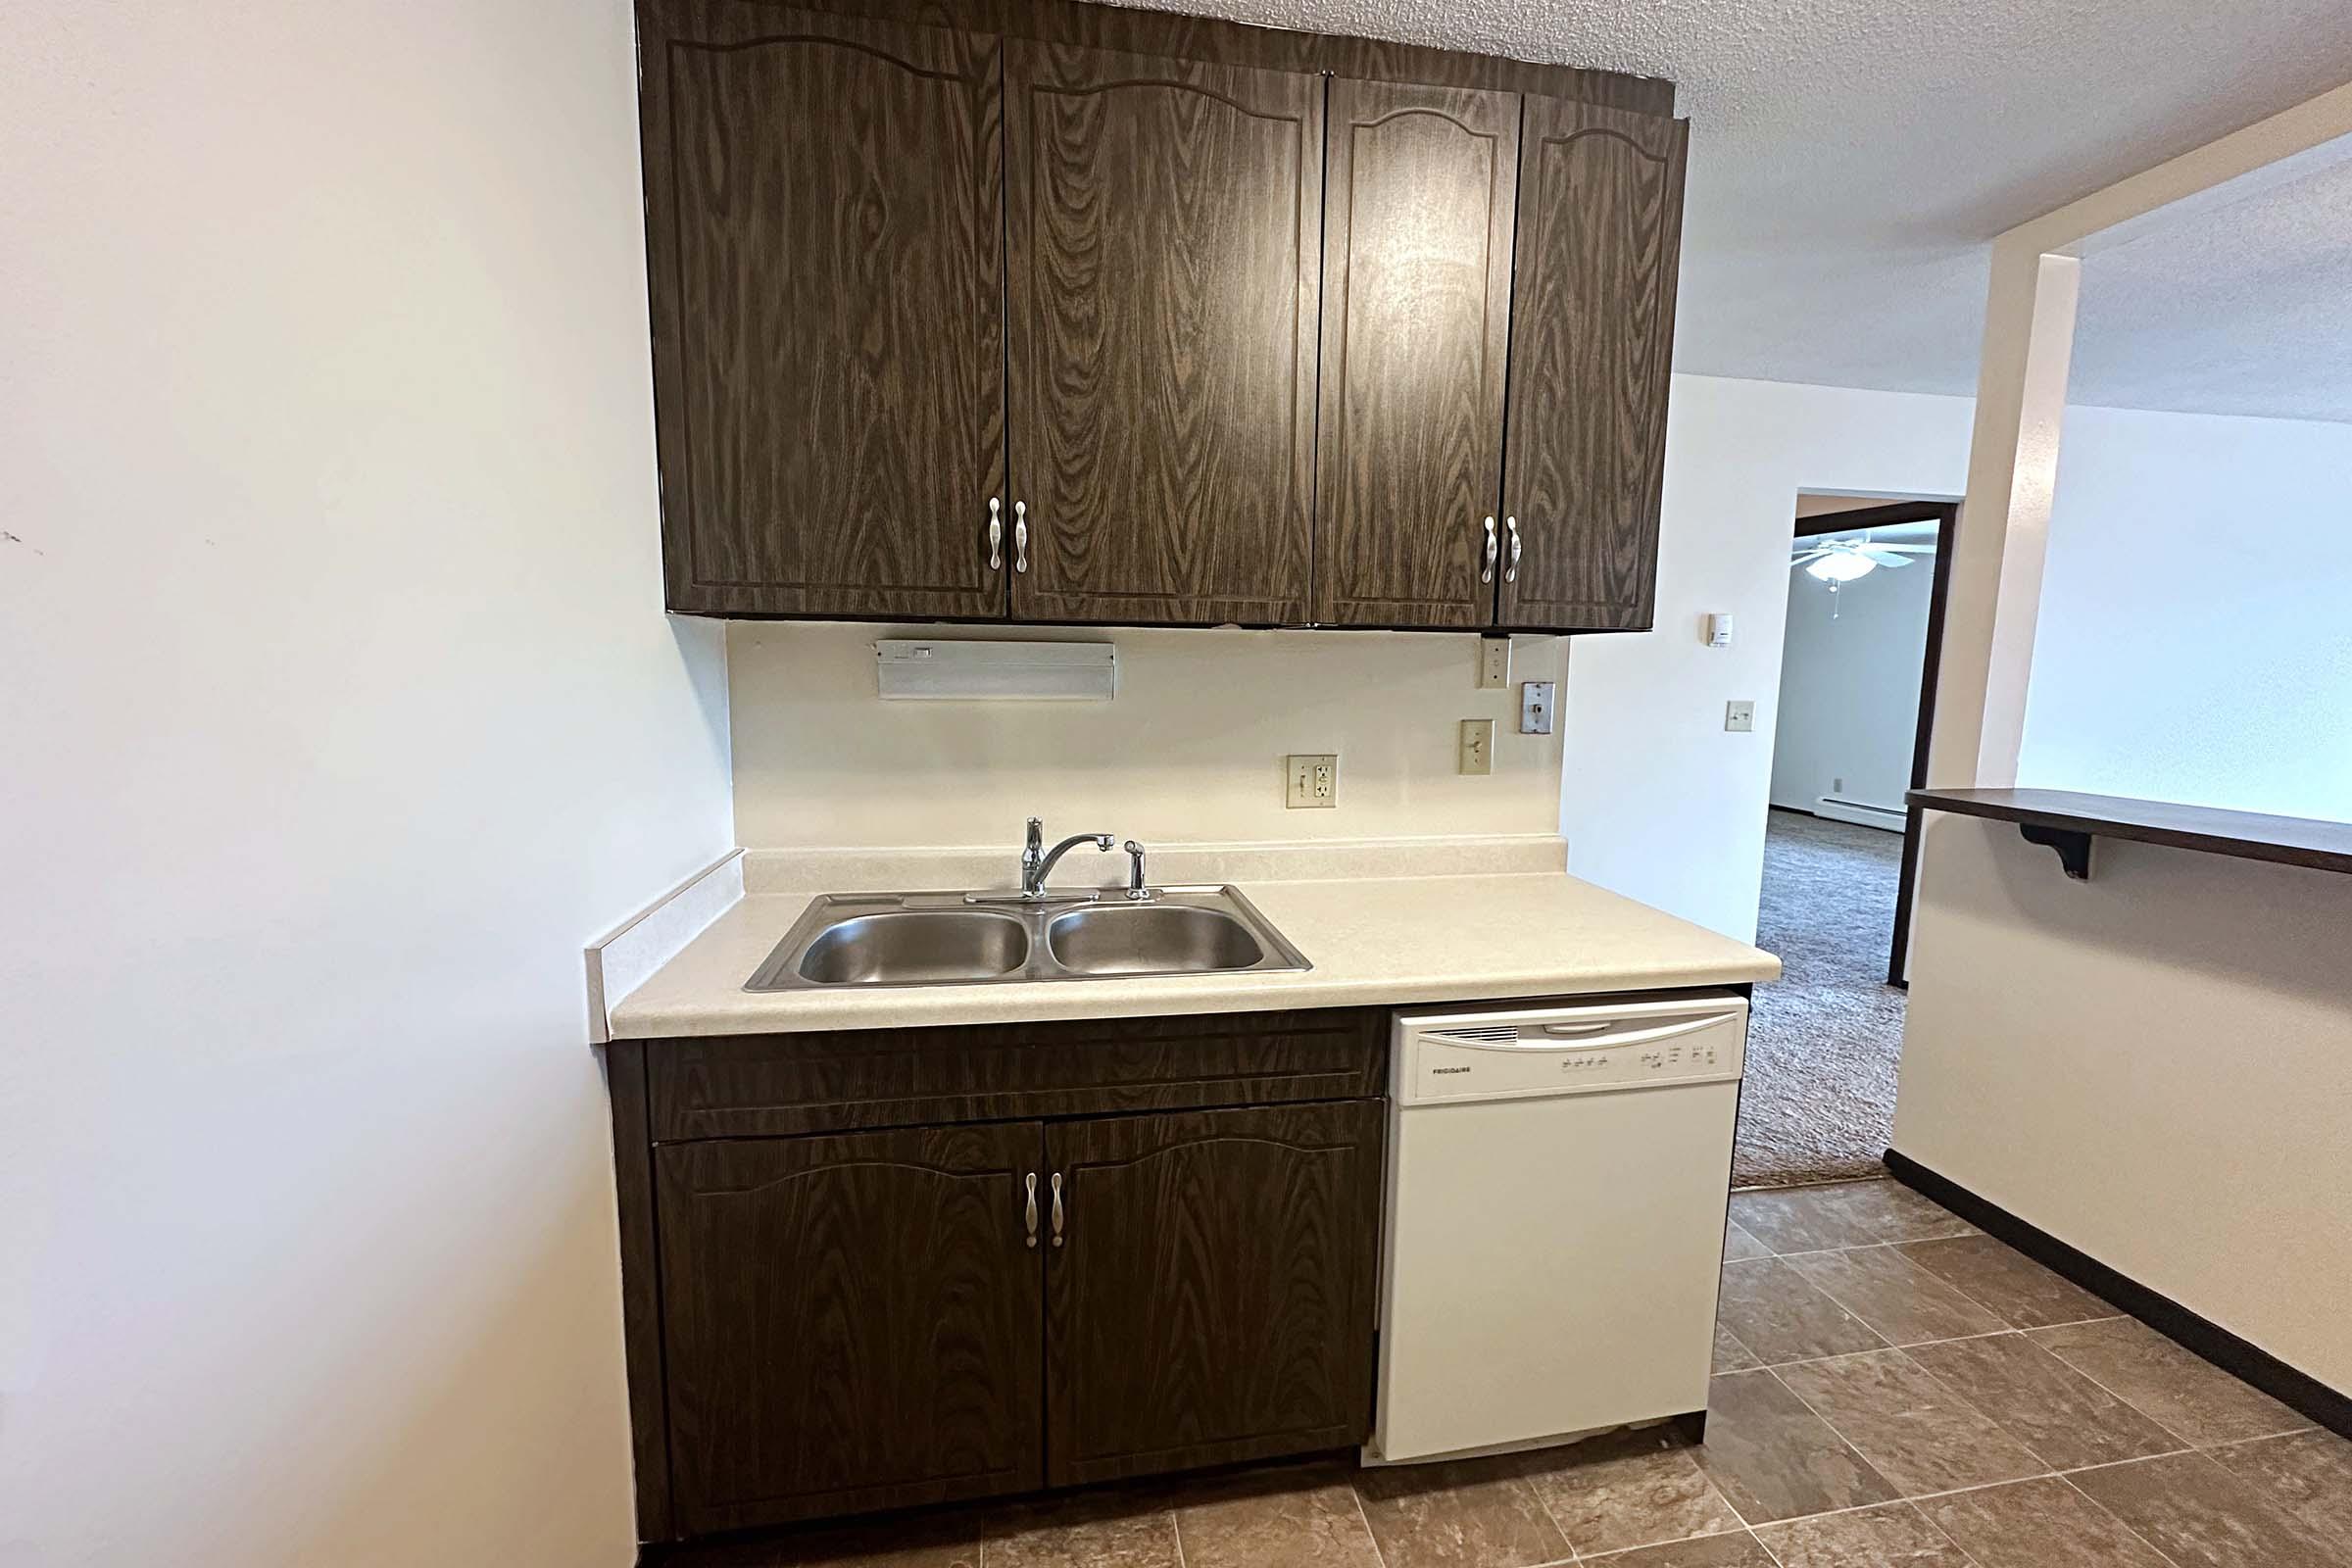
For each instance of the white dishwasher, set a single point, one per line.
(1557, 1180)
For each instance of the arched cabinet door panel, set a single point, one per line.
(1163, 232)
(1212, 1295)
(823, 227)
(1601, 207)
(1420, 188)
(849, 1321)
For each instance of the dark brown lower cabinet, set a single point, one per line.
(1212, 1298)
(851, 1321)
(853, 1317)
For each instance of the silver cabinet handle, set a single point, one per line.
(1020, 537)
(1596, 1027)
(1058, 1209)
(996, 534)
(1486, 573)
(1511, 573)
(1029, 1213)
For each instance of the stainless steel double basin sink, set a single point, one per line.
(931, 938)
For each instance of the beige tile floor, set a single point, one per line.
(1893, 1390)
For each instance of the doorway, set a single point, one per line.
(1868, 582)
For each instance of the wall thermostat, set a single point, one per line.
(1719, 630)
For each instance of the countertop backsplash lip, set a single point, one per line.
(628, 956)
(1383, 921)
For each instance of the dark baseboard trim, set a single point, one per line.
(2201, 1335)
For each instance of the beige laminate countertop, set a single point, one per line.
(1372, 941)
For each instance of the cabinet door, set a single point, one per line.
(1601, 221)
(1416, 318)
(1163, 235)
(1212, 1298)
(851, 1322)
(823, 227)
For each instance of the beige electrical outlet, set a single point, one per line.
(1477, 754)
(1311, 781)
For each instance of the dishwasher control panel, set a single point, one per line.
(1519, 1052)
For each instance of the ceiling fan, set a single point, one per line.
(1836, 560)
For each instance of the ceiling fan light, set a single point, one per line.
(1840, 566)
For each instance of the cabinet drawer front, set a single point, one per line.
(1210, 1299)
(850, 1321)
(765, 1085)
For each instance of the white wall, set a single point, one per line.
(339, 711)
(1849, 687)
(2193, 642)
(1191, 749)
(1658, 801)
(2158, 1078)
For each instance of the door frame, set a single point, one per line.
(1946, 516)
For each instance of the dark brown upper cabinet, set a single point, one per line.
(851, 1322)
(1417, 228)
(823, 231)
(1062, 312)
(1163, 233)
(1213, 1298)
(1599, 238)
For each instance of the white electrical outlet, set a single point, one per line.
(1477, 746)
(1740, 717)
(1493, 663)
(1312, 781)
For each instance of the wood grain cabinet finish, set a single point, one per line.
(1417, 230)
(824, 220)
(850, 1321)
(1235, 326)
(1599, 233)
(1212, 1300)
(1163, 242)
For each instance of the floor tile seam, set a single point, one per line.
(2162, 1555)
(1962, 1339)
(1909, 1502)
(1745, 1349)
(1611, 1556)
(2034, 1454)
(1576, 1553)
(1832, 1428)
(1836, 1301)
(2084, 1373)
(1365, 1519)
(1967, 1558)
(1995, 1422)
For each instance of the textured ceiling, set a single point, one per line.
(2245, 309)
(1850, 160)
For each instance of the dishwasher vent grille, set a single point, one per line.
(1482, 1031)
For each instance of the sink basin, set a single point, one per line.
(1151, 939)
(952, 939)
(916, 947)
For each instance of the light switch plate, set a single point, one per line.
(1536, 703)
(1493, 663)
(1477, 746)
(1311, 781)
(1740, 717)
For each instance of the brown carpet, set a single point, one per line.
(1819, 1103)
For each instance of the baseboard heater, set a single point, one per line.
(1869, 813)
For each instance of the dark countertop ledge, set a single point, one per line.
(2066, 821)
